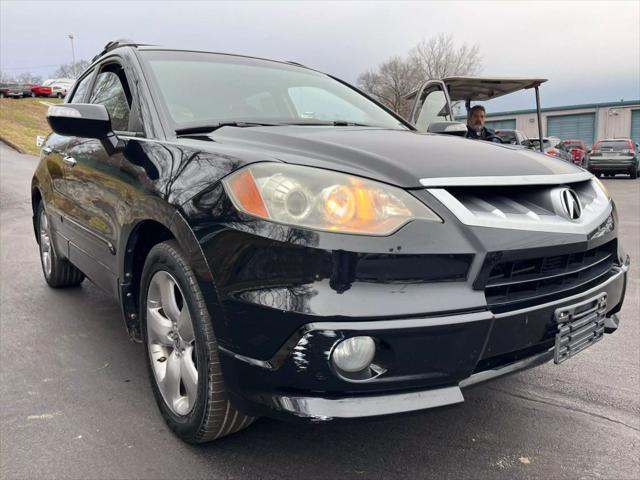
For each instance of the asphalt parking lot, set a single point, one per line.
(76, 403)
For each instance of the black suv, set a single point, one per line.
(283, 245)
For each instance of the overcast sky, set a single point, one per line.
(589, 51)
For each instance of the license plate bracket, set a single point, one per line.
(579, 326)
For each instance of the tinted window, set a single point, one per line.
(507, 137)
(615, 146)
(205, 89)
(109, 91)
(535, 143)
(81, 91)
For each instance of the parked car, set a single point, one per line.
(512, 137)
(41, 91)
(25, 89)
(257, 239)
(10, 90)
(551, 146)
(611, 156)
(577, 149)
(59, 86)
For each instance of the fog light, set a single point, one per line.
(354, 354)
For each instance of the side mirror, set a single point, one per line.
(448, 128)
(84, 120)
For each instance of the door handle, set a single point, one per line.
(69, 160)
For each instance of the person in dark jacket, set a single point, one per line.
(475, 125)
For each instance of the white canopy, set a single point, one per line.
(484, 88)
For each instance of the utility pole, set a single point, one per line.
(73, 54)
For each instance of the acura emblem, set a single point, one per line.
(571, 203)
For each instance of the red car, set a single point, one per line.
(40, 91)
(577, 149)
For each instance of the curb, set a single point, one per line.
(13, 145)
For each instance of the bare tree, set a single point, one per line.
(28, 77)
(6, 78)
(438, 57)
(71, 70)
(391, 82)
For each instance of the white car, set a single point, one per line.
(59, 86)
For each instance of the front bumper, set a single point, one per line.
(449, 353)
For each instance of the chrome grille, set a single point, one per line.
(526, 207)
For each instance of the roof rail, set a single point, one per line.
(116, 44)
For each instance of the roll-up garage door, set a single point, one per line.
(577, 126)
(635, 125)
(509, 124)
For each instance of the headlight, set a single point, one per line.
(602, 186)
(322, 200)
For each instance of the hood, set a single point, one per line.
(397, 157)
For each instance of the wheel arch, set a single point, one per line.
(36, 198)
(142, 237)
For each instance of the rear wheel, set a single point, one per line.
(58, 272)
(633, 173)
(182, 351)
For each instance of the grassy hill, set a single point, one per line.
(22, 119)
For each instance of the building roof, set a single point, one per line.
(625, 103)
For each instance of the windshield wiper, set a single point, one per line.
(213, 128)
(334, 123)
(344, 123)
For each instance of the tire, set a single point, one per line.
(1, 94)
(58, 272)
(633, 173)
(33, 95)
(59, 95)
(183, 342)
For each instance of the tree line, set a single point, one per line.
(68, 70)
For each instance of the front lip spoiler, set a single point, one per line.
(325, 409)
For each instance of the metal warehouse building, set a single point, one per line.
(586, 122)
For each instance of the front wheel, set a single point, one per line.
(182, 351)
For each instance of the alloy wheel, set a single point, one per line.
(45, 243)
(171, 343)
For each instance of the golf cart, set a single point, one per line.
(432, 110)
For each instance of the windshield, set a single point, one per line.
(207, 89)
(507, 137)
(535, 143)
(615, 146)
